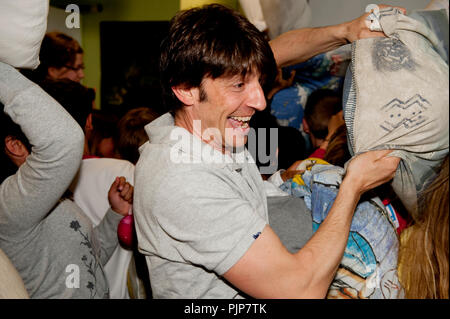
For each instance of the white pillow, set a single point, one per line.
(22, 27)
(253, 12)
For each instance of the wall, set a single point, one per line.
(57, 22)
(186, 4)
(116, 10)
(330, 12)
(125, 10)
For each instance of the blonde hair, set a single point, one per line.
(424, 249)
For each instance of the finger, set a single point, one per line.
(380, 154)
(129, 195)
(122, 182)
(373, 34)
(391, 163)
(125, 190)
(114, 184)
(383, 6)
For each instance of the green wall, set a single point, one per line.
(124, 10)
(186, 4)
(116, 10)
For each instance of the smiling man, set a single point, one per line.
(223, 112)
(203, 225)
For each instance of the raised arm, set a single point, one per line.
(299, 45)
(268, 270)
(57, 146)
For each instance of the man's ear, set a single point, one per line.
(187, 96)
(16, 150)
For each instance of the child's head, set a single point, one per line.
(131, 133)
(321, 105)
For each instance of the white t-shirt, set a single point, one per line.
(90, 188)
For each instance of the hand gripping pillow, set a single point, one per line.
(396, 97)
(22, 27)
(368, 269)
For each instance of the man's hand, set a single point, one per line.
(369, 170)
(120, 196)
(358, 29)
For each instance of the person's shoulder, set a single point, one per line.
(165, 172)
(106, 167)
(107, 163)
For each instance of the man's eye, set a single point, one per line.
(239, 85)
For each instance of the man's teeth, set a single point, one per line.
(241, 118)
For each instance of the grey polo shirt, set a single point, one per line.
(197, 212)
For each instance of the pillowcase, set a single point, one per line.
(22, 27)
(396, 96)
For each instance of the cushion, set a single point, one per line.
(396, 97)
(22, 27)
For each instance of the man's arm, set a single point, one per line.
(268, 270)
(299, 45)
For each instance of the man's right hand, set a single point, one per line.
(357, 29)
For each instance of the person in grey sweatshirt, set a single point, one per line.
(53, 245)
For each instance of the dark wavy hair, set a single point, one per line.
(9, 128)
(57, 50)
(212, 41)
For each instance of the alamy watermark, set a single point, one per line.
(73, 277)
(203, 146)
(73, 19)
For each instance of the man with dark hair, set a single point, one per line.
(200, 205)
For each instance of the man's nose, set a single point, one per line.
(256, 98)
